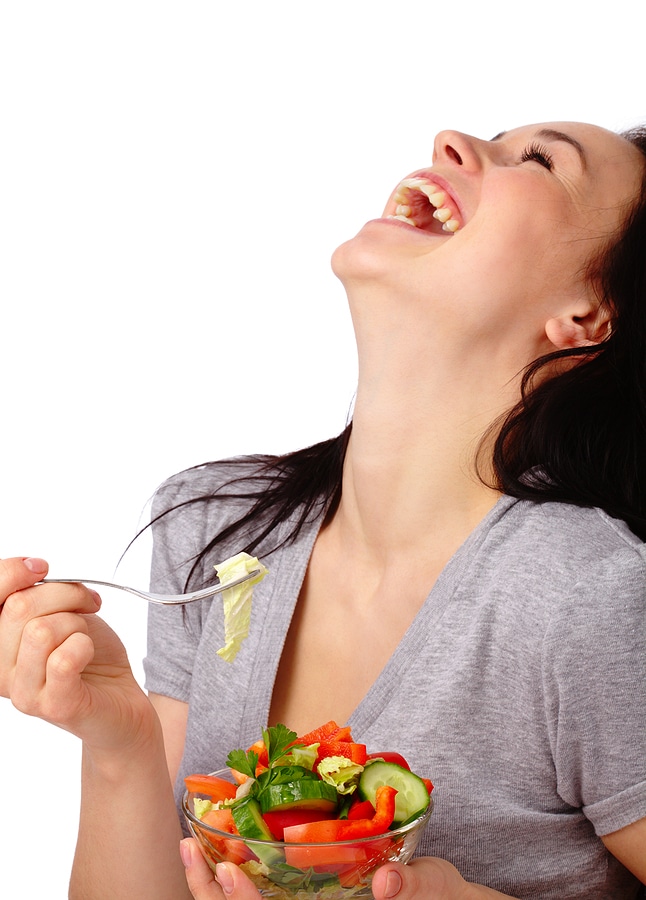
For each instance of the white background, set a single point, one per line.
(174, 177)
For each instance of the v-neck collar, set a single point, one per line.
(289, 566)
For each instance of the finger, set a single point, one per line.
(43, 599)
(53, 653)
(30, 604)
(20, 572)
(421, 877)
(199, 877)
(387, 882)
(234, 882)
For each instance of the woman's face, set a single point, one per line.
(497, 233)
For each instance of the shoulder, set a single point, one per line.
(194, 506)
(571, 536)
(209, 480)
(565, 558)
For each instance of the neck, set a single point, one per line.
(410, 472)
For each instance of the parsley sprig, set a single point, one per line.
(279, 741)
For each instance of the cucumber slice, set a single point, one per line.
(412, 797)
(250, 824)
(306, 793)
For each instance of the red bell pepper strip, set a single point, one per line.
(323, 732)
(278, 820)
(347, 749)
(363, 809)
(348, 829)
(259, 748)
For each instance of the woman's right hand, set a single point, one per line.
(231, 881)
(60, 662)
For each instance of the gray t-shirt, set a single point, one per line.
(519, 688)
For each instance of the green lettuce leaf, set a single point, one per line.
(237, 601)
(340, 772)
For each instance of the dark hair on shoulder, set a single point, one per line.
(580, 436)
(298, 487)
(576, 437)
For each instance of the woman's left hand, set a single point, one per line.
(231, 881)
(426, 877)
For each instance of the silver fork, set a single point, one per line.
(165, 599)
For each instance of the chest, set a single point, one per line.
(336, 647)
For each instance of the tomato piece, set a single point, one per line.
(278, 820)
(319, 832)
(390, 757)
(231, 850)
(222, 819)
(215, 788)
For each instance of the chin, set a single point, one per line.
(368, 255)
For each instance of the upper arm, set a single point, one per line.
(173, 715)
(628, 845)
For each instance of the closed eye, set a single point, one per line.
(537, 153)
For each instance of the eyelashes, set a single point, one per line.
(537, 153)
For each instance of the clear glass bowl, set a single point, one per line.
(332, 871)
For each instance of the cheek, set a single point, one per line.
(527, 251)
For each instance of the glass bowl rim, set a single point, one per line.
(225, 835)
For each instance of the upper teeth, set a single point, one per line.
(436, 198)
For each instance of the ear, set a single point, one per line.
(571, 330)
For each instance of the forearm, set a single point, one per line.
(128, 844)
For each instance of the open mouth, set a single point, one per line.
(425, 206)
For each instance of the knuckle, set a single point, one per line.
(39, 631)
(18, 607)
(60, 666)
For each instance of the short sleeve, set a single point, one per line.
(188, 511)
(173, 631)
(594, 675)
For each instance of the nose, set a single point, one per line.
(459, 149)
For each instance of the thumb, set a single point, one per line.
(20, 572)
(424, 876)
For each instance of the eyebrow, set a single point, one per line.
(552, 134)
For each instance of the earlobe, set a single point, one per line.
(566, 332)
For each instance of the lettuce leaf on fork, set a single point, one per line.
(237, 600)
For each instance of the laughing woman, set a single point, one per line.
(469, 552)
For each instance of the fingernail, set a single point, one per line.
(224, 878)
(96, 597)
(393, 884)
(35, 565)
(185, 852)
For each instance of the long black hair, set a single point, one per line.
(576, 437)
(580, 436)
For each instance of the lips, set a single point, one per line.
(423, 204)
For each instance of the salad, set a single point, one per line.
(308, 812)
